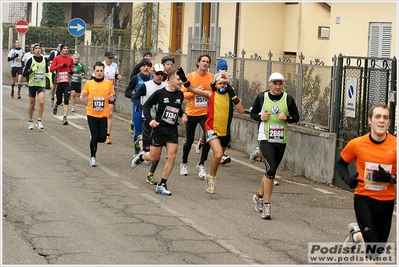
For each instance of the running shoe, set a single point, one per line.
(93, 162)
(134, 162)
(64, 121)
(163, 190)
(39, 124)
(210, 184)
(151, 179)
(31, 125)
(108, 141)
(258, 203)
(225, 159)
(19, 96)
(199, 146)
(55, 110)
(138, 143)
(183, 169)
(73, 109)
(12, 95)
(131, 129)
(267, 211)
(353, 228)
(201, 170)
(254, 156)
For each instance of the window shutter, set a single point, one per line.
(380, 40)
(213, 18)
(198, 21)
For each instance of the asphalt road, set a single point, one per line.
(58, 210)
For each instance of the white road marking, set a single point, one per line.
(324, 191)
(129, 184)
(85, 157)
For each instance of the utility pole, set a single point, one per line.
(111, 28)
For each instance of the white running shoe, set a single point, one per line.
(163, 190)
(253, 157)
(210, 184)
(199, 146)
(134, 162)
(31, 125)
(267, 211)
(39, 124)
(93, 162)
(353, 228)
(201, 170)
(258, 203)
(183, 169)
(73, 109)
(225, 159)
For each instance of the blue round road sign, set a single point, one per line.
(76, 27)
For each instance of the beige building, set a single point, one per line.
(319, 30)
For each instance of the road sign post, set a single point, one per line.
(76, 27)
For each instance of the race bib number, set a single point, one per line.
(170, 115)
(62, 77)
(276, 133)
(369, 183)
(210, 135)
(200, 101)
(38, 76)
(75, 78)
(111, 78)
(98, 103)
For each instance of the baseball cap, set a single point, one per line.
(145, 61)
(109, 54)
(158, 68)
(276, 76)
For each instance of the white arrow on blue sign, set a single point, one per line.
(76, 27)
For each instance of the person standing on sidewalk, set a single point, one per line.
(273, 110)
(63, 65)
(139, 98)
(99, 92)
(15, 56)
(76, 80)
(168, 102)
(221, 103)
(36, 68)
(111, 72)
(196, 107)
(375, 178)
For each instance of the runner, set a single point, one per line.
(168, 102)
(36, 68)
(98, 91)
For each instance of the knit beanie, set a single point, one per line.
(222, 64)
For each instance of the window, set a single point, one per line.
(205, 20)
(83, 11)
(380, 39)
(324, 32)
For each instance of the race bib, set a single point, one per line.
(170, 115)
(276, 133)
(210, 135)
(75, 78)
(111, 78)
(200, 101)
(98, 103)
(38, 76)
(369, 184)
(62, 77)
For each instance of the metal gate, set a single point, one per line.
(202, 45)
(361, 82)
